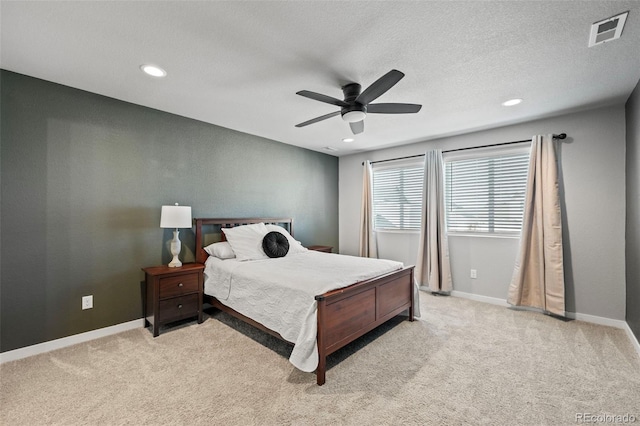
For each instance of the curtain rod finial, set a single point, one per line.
(560, 136)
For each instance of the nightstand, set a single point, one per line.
(173, 294)
(325, 249)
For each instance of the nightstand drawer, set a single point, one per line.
(178, 308)
(178, 285)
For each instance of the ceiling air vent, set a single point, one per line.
(607, 30)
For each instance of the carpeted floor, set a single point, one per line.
(463, 362)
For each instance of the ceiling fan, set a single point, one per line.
(356, 105)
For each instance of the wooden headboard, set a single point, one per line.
(201, 255)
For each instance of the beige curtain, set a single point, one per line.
(538, 277)
(368, 246)
(433, 269)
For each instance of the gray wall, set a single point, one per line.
(83, 179)
(633, 211)
(592, 165)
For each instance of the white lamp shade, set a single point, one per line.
(175, 217)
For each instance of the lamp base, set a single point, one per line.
(175, 250)
(175, 263)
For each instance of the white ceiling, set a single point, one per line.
(239, 64)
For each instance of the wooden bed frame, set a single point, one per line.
(344, 314)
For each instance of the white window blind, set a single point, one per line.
(397, 196)
(485, 193)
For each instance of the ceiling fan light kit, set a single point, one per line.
(353, 116)
(357, 104)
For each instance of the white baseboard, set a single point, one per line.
(573, 315)
(479, 298)
(69, 341)
(633, 338)
(597, 320)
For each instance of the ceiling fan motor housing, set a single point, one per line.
(355, 111)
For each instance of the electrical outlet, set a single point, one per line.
(474, 273)
(87, 302)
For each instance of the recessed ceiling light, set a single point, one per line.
(153, 70)
(329, 148)
(348, 140)
(511, 102)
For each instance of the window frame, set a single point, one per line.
(483, 153)
(407, 163)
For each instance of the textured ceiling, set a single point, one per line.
(239, 64)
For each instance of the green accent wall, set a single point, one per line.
(632, 231)
(82, 180)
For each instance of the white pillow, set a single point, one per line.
(221, 250)
(294, 246)
(246, 241)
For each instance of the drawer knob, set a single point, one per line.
(180, 285)
(179, 306)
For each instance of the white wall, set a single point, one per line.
(592, 162)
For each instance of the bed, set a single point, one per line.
(333, 318)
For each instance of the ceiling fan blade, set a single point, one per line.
(379, 87)
(357, 127)
(315, 120)
(322, 98)
(393, 108)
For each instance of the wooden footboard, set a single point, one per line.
(348, 313)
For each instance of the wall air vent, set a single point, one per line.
(607, 30)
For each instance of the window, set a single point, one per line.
(397, 195)
(484, 193)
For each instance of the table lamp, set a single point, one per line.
(175, 217)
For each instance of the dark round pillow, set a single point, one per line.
(275, 244)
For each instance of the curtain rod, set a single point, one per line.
(560, 136)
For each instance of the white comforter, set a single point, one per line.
(280, 293)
